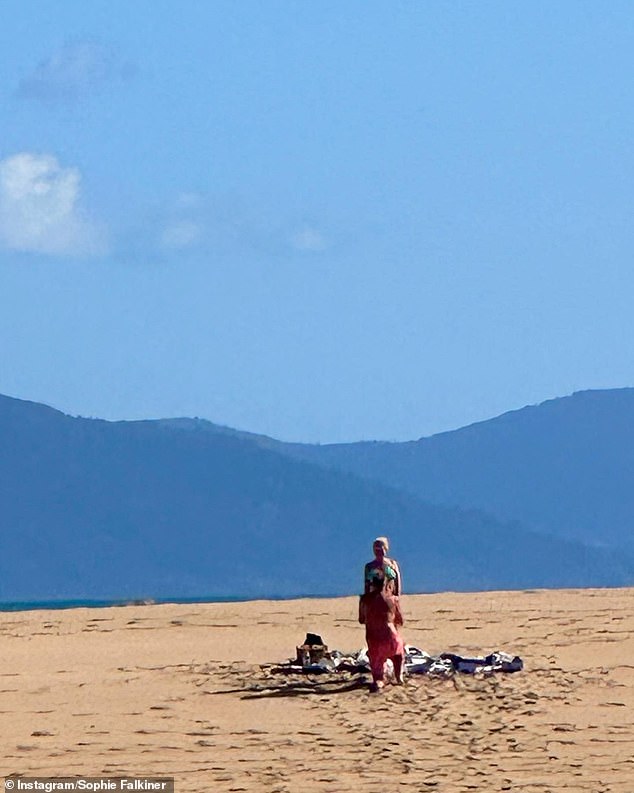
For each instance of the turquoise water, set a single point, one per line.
(97, 604)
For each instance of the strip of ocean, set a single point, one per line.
(99, 604)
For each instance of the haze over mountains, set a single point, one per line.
(182, 507)
(564, 467)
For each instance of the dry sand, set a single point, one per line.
(178, 690)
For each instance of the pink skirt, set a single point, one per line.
(383, 645)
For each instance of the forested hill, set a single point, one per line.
(564, 467)
(96, 509)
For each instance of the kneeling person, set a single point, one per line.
(379, 611)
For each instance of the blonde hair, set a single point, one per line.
(384, 542)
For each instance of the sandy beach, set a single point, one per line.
(179, 690)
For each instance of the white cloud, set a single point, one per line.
(195, 223)
(72, 73)
(308, 239)
(180, 234)
(183, 223)
(39, 211)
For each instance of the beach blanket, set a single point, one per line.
(417, 662)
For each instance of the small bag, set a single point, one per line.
(312, 651)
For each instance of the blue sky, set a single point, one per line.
(321, 221)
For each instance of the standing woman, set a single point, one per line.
(389, 568)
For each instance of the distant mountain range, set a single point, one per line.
(541, 497)
(564, 467)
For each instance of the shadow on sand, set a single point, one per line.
(297, 688)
